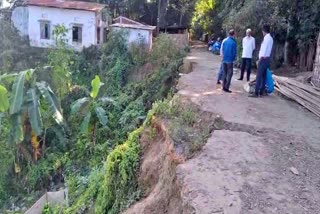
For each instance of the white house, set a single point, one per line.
(137, 32)
(86, 22)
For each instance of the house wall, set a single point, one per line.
(19, 18)
(134, 35)
(62, 16)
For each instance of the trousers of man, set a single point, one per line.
(227, 75)
(263, 66)
(220, 73)
(246, 62)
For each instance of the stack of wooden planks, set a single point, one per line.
(306, 95)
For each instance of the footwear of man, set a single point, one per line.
(227, 90)
(218, 82)
(253, 95)
(264, 94)
(240, 79)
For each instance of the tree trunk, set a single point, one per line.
(162, 11)
(287, 44)
(158, 17)
(286, 52)
(181, 16)
(302, 60)
(316, 66)
(310, 57)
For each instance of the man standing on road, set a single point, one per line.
(264, 62)
(248, 46)
(220, 73)
(229, 51)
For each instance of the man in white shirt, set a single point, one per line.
(248, 46)
(264, 62)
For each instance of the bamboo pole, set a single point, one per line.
(304, 94)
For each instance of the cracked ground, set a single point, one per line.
(266, 159)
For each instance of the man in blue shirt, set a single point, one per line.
(229, 54)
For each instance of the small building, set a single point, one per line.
(137, 32)
(175, 29)
(178, 34)
(86, 22)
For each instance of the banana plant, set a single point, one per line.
(91, 111)
(24, 107)
(4, 100)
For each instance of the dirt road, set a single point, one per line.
(265, 160)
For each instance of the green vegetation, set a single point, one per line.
(120, 174)
(294, 27)
(91, 109)
(52, 210)
(15, 52)
(60, 59)
(85, 139)
(188, 127)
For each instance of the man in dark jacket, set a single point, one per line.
(229, 52)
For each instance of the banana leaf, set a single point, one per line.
(101, 114)
(85, 123)
(16, 132)
(4, 100)
(33, 106)
(79, 105)
(8, 78)
(52, 101)
(17, 93)
(96, 84)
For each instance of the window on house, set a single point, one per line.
(105, 34)
(77, 34)
(44, 30)
(98, 35)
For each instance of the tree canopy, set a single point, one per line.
(295, 24)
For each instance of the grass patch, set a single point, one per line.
(188, 126)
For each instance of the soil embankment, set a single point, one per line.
(264, 158)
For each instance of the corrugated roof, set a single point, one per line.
(124, 22)
(143, 27)
(76, 5)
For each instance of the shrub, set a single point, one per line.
(112, 187)
(15, 51)
(164, 51)
(83, 190)
(139, 53)
(6, 163)
(86, 65)
(120, 180)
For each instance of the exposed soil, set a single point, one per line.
(248, 166)
(158, 174)
(264, 157)
(164, 147)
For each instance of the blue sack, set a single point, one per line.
(269, 82)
